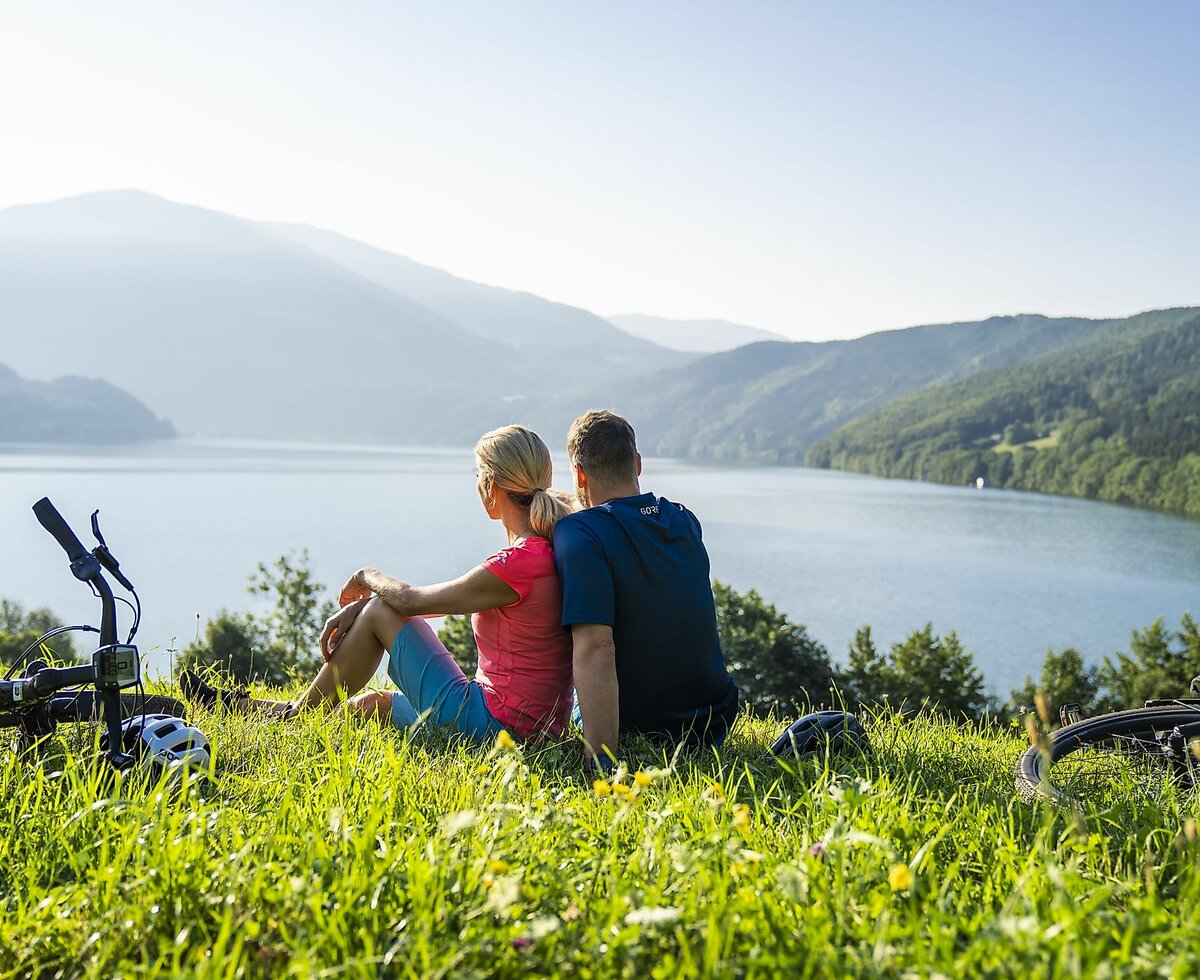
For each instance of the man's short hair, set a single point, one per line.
(604, 446)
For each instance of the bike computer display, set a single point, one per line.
(117, 666)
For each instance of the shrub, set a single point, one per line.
(1160, 664)
(236, 644)
(281, 644)
(775, 663)
(1064, 679)
(459, 639)
(19, 628)
(925, 672)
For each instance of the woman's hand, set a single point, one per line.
(370, 581)
(337, 626)
(355, 588)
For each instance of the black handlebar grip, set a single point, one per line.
(53, 522)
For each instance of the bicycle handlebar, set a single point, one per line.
(49, 517)
(43, 685)
(86, 567)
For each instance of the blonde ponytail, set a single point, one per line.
(547, 509)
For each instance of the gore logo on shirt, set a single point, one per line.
(652, 509)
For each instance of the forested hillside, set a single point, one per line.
(770, 402)
(1117, 420)
(73, 410)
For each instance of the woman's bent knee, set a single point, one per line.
(372, 705)
(383, 621)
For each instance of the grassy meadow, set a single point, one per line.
(325, 849)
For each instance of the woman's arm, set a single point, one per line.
(479, 589)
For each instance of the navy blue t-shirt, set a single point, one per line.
(638, 564)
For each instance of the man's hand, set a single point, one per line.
(355, 588)
(338, 625)
(595, 667)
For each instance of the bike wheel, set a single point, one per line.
(86, 706)
(1114, 757)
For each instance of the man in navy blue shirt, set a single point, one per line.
(638, 601)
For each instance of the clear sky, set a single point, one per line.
(820, 169)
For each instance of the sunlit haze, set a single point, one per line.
(821, 170)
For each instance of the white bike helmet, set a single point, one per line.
(164, 741)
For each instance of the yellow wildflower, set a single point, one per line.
(504, 740)
(741, 816)
(602, 787)
(716, 789)
(620, 789)
(900, 878)
(496, 866)
(641, 778)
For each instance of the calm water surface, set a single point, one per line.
(1014, 574)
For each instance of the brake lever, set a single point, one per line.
(96, 528)
(104, 556)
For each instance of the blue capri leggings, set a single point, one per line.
(433, 685)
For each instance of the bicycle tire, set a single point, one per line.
(1108, 747)
(86, 707)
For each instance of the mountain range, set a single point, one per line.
(700, 336)
(771, 402)
(1116, 418)
(233, 327)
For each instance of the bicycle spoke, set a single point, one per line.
(1138, 755)
(1131, 765)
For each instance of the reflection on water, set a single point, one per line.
(1014, 574)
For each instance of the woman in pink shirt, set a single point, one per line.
(523, 683)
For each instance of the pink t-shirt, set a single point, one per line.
(524, 652)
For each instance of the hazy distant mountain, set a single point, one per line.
(519, 319)
(73, 410)
(770, 402)
(214, 322)
(228, 328)
(701, 336)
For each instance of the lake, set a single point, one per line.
(1014, 574)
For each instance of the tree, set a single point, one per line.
(937, 674)
(866, 677)
(294, 623)
(236, 645)
(775, 663)
(1160, 664)
(1065, 679)
(20, 628)
(925, 672)
(277, 646)
(458, 637)
(1018, 433)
